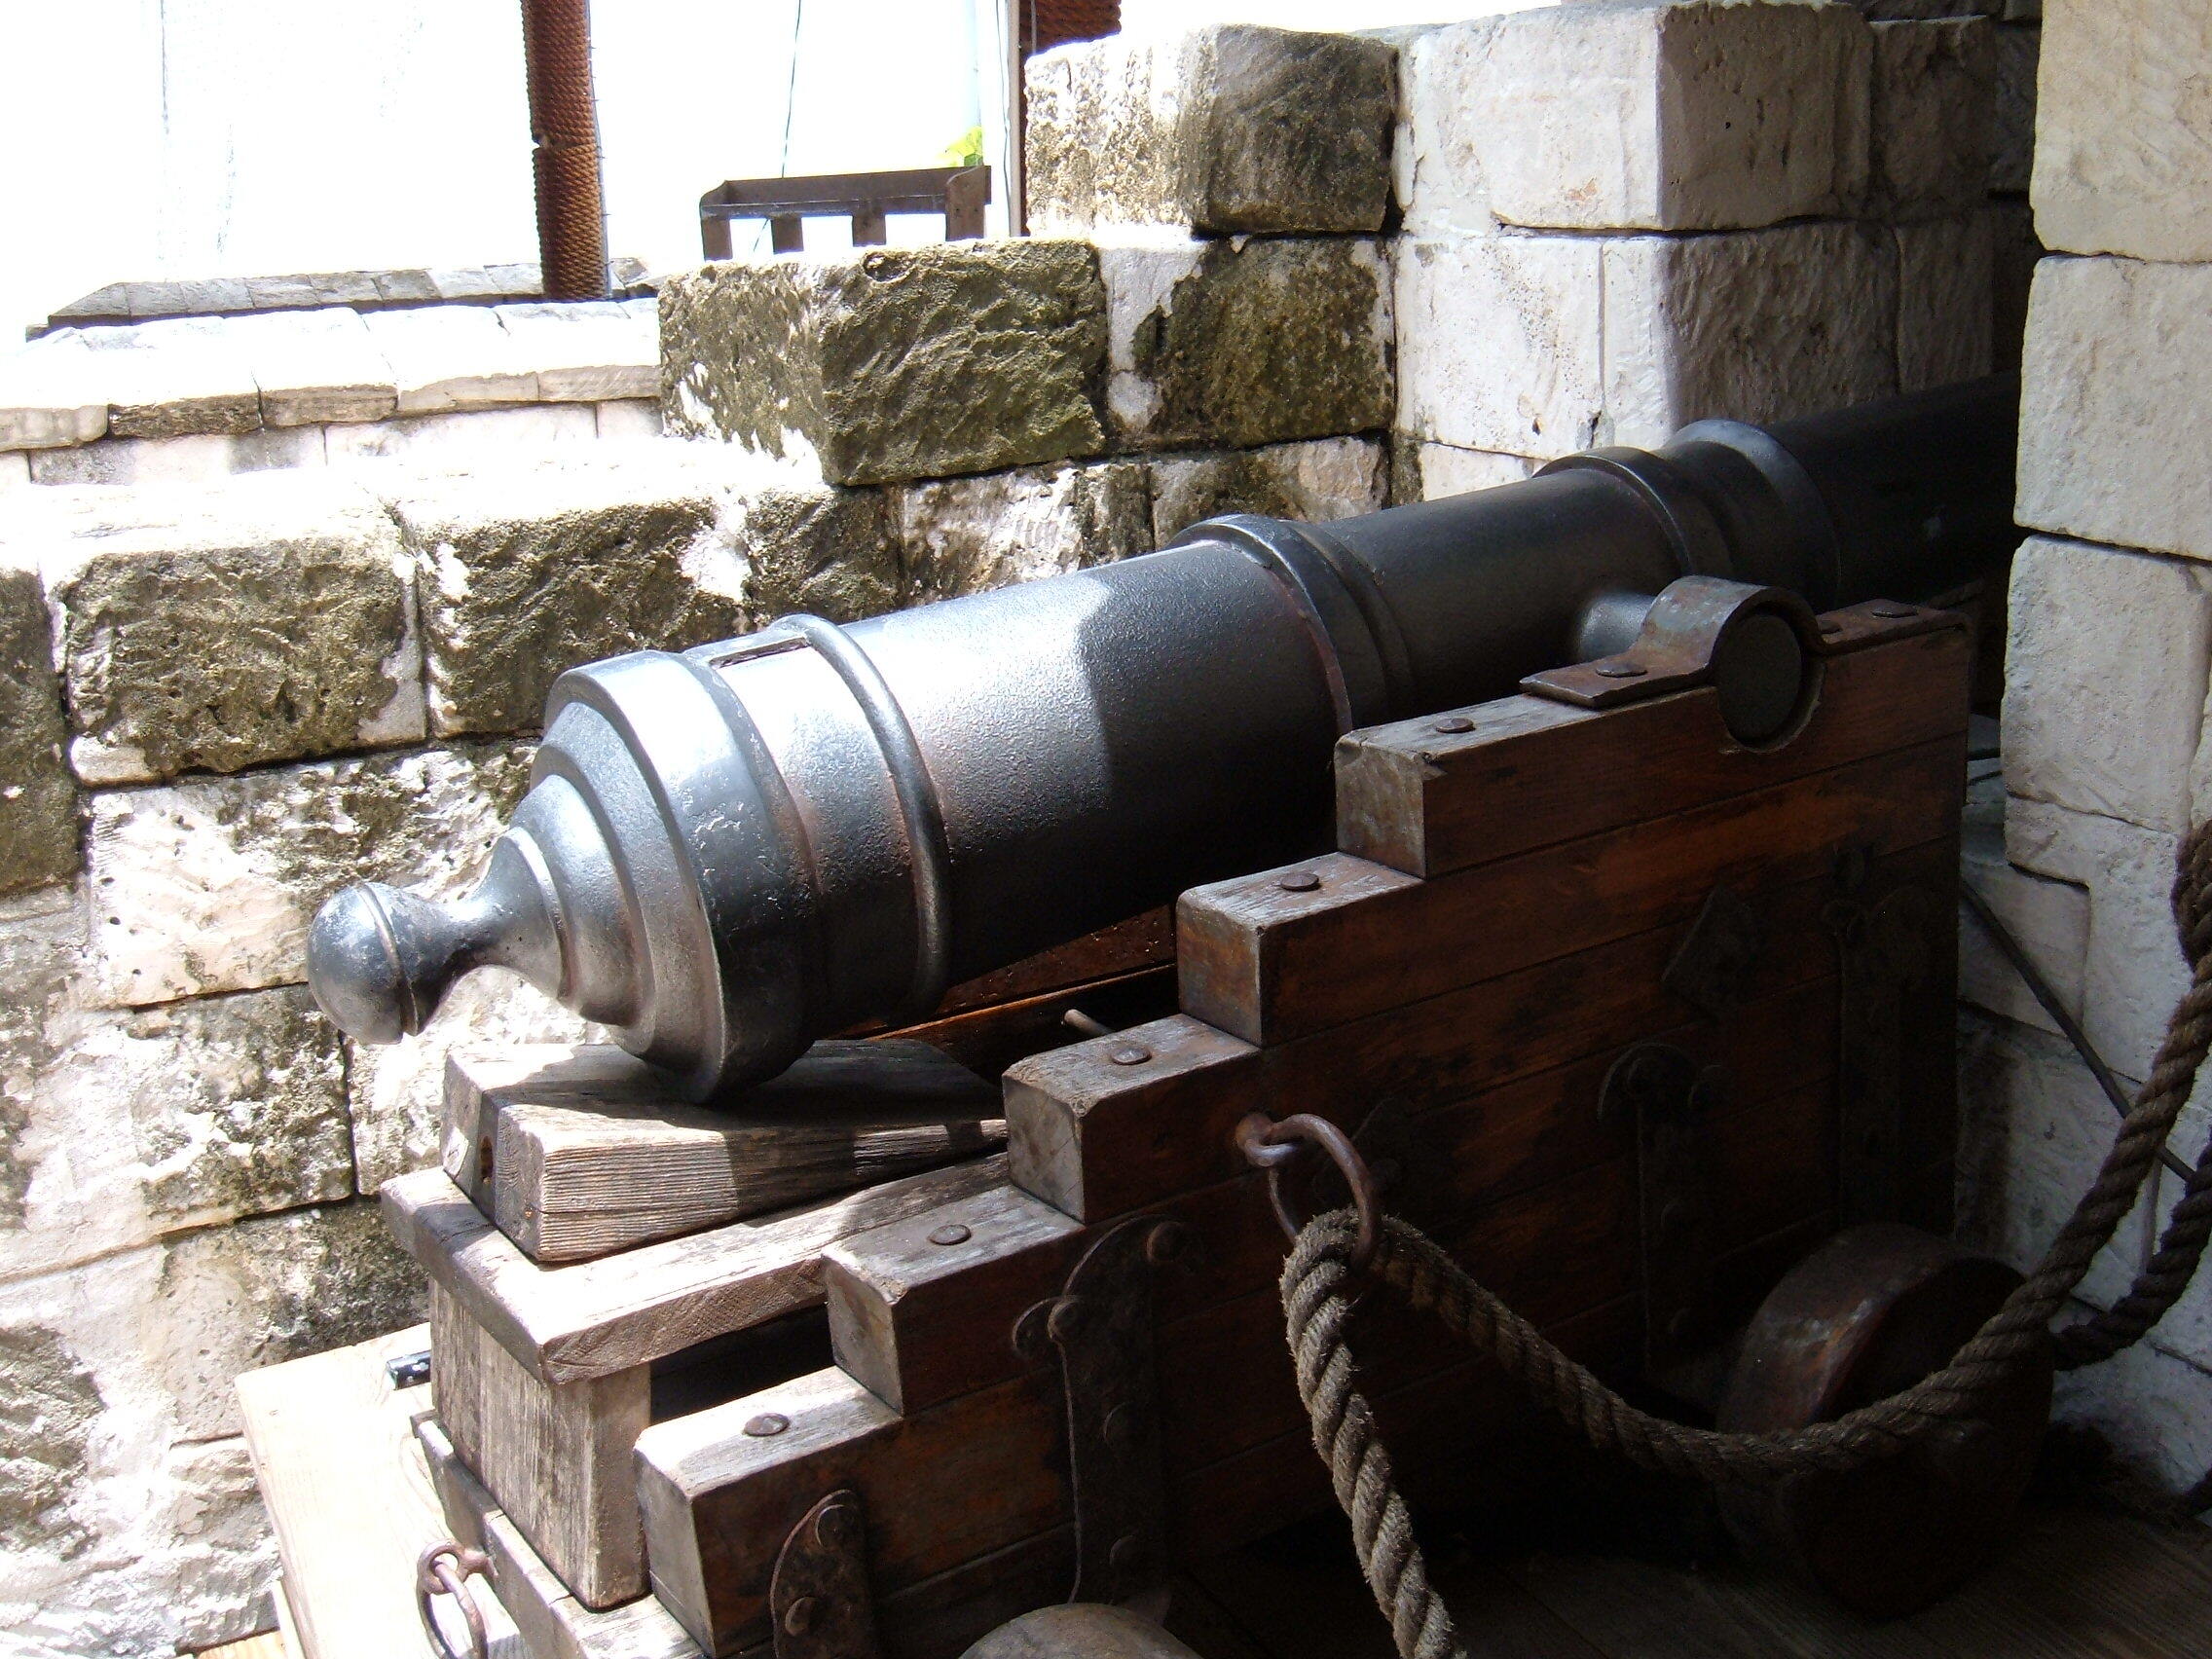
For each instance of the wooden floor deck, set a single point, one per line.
(2078, 1584)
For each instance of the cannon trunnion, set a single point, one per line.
(730, 853)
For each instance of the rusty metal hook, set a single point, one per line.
(447, 1567)
(1270, 1146)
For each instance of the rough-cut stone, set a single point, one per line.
(265, 620)
(1945, 301)
(2051, 920)
(275, 1288)
(892, 364)
(628, 418)
(1247, 342)
(1434, 471)
(1225, 129)
(589, 350)
(2106, 670)
(2012, 141)
(1756, 325)
(48, 398)
(963, 535)
(525, 573)
(2123, 133)
(316, 366)
(1329, 478)
(827, 552)
(465, 437)
(394, 1092)
(201, 458)
(1499, 342)
(209, 885)
(1934, 107)
(2134, 972)
(2014, 253)
(48, 1407)
(42, 953)
(233, 1106)
(170, 380)
(15, 471)
(2034, 1127)
(225, 1553)
(1662, 114)
(447, 358)
(2112, 399)
(2149, 1405)
(38, 797)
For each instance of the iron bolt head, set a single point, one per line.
(766, 1423)
(1129, 1055)
(1128, 1554)
(951, 1232)
(1454, 723)
(1121, 1426)
(799, 1618)
(834, 1526)
(1829, 625)
(1298, 881)
(1893, 611)
(1621, 670)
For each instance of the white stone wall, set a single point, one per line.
(2105, 762)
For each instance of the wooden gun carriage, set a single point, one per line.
(888, 1418)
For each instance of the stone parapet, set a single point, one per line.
(1934, 122)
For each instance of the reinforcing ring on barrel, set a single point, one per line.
(1271, 1146)
(447, 1567)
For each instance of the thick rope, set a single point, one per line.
(1318, 1300)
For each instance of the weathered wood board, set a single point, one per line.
(576, 1153)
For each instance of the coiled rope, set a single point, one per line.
(1319, 1283)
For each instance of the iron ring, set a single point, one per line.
(1270, 1146)
(447, 1567)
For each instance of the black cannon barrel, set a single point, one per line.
(728, 853)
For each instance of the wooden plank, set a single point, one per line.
(1531, 771)
(1269, 964)
(347, 1496)
(1094, 1137)
(591, 1153)
(593, 1318)
(553, 1622)
(1126, 947)
(556, 1456)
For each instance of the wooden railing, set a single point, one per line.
(958, 193)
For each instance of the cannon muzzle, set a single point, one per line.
(730, 852)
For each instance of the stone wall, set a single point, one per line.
(2105, 764)
(1274, 273)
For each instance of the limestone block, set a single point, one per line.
(48, 395)
(270, 1289)
(1228, 129)
(827, 552)
(894, 363)
(316, 366)
(1328, 478)
(220, 628)
(42, 956)
(628, 418)
(2113, 384)
(963, 535)
(2134, 972)
(1759, 326)
(1665, 114)
(209, 885)
(1438, 470)
(38, 797)
(446, 357)
(586, 352)
(2149, 1405)
(2012, 141)
(2035, 1127)
(468, 282)
(463, 437)
(2106, 668)
(2123, 132)
(405, 287)
(1245, 342)
(527, 571)
(2051, 920)
(2014, 253)
(394, 1092)
(1499, 343)
(1945, 300)
(1436, 163)
(202, 458)
(188, 298)
(15, 469)
(224, 1107)
(168, 379)
(1893, 11)
(1934, 109)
